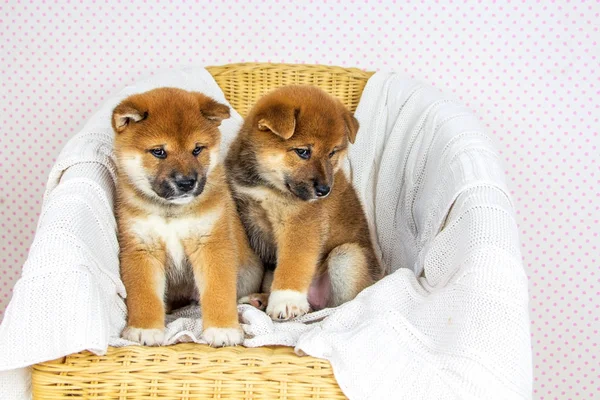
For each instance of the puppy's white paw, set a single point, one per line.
(219, 337)
(147, 337)
(286, 304)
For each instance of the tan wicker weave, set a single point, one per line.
(186, 371)
(243, 84)
(192, 371)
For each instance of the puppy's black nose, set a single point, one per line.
(322, 190)
(185, 183)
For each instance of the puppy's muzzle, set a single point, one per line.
(183, 187)
(322, 190)
(185, 184)
(308, 191)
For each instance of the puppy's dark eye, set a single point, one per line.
(332, 153)
(197, 150)
(159, 153)
(303, 153)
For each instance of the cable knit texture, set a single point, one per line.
(449, 322)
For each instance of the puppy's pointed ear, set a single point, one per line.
(351, 126)
(212, 110)
(279, 119)
(125, 114)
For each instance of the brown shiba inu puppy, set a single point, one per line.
(180, 236)
(301, 213)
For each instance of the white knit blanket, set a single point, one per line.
(450, 322)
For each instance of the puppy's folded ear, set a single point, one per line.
(213, 110)
(125, 114)
(351, 126)
(279, 119)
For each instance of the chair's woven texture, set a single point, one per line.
(190, 371)
(186, 371)
(243, 84)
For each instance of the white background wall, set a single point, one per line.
(530, 70)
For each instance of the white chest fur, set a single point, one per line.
(173, 231)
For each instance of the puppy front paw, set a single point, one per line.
(287, 304)
(219, 337)
(147, 337)
(257, 300)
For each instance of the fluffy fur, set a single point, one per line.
(301, 214)
(179, 233)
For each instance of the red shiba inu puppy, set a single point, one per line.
(179, 233)
(301, 213)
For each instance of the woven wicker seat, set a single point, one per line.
(192, 371)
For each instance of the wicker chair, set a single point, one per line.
(191, 371)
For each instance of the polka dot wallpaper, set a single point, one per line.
(530, 70)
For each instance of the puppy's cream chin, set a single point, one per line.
(182, 200)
